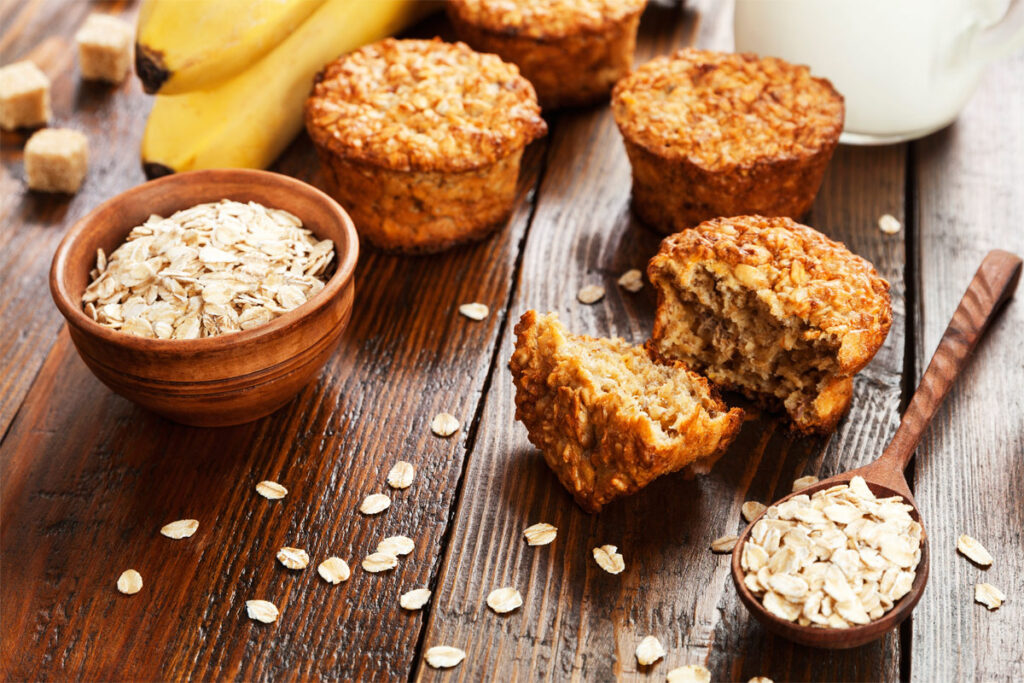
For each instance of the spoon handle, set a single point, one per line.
(992, 285)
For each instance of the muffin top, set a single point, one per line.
(544, 18)
(422, 105)
(722, 110)
(796, 271)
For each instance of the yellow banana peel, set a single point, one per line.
(184, 45)
(248, 120)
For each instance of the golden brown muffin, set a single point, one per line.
(421, 140)
(573, 51)
(610, 417)
(771, 308)
(713, 134)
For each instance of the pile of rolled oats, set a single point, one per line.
(839, 558)
(208, 270)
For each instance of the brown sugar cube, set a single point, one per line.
(105, 48)
(56, 160)
(24, 96)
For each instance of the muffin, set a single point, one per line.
(611, 417)
(421, 140)
(712, 134)
(773, 309)
(573, 51)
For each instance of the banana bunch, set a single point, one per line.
(231, 76)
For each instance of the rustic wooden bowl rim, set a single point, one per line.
(70, 305)
(814, 636)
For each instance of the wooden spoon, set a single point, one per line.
(992, 285)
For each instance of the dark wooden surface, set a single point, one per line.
(969, 469)
(88, 478)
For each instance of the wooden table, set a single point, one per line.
(88, 478)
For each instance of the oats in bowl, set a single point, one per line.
(208, 270)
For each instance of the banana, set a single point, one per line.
(247, 121)
(184, 45)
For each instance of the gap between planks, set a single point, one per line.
(495, 365)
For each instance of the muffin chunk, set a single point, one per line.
(773, 309)
(611, 417)
(713, 134)
(573, 51)
(421, 140)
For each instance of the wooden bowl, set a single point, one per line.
(213, 381)
(835, 638)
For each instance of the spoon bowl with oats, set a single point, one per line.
(844, 561)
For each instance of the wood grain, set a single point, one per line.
(88, 479)
(969, 469)
(34, 222)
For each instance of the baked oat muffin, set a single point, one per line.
(573, 51)
(773, 309)
(421, 140)
(610, 417)
(713, 134)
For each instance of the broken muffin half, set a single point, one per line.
(773, 309)
(611, 417)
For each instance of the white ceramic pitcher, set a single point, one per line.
(905, 67)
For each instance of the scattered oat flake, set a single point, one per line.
(760, 679)
(444, 424)
(293, 558)
(474, 311)
(590, 294)
(649, 650)
(724, 544)
(503, 600)
(334, 570)
(374, 504)
(444, 656)
(804, 482)
(632, 280)
(691, 673)
(973, 550)
(183, 528)
(401, 475)
(989, 595)
(262, 610)
(130, 582)
(541, 533)
(751, 509)
(414, 599)
(271, 490)
(396, 545)
(889, 224)
(609, 559)
(379, 562)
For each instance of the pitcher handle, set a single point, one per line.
(1001, 38)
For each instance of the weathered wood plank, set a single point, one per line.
(88, 479)
(578, 622)
(34, 223)
(861, 184)
(967, 471)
